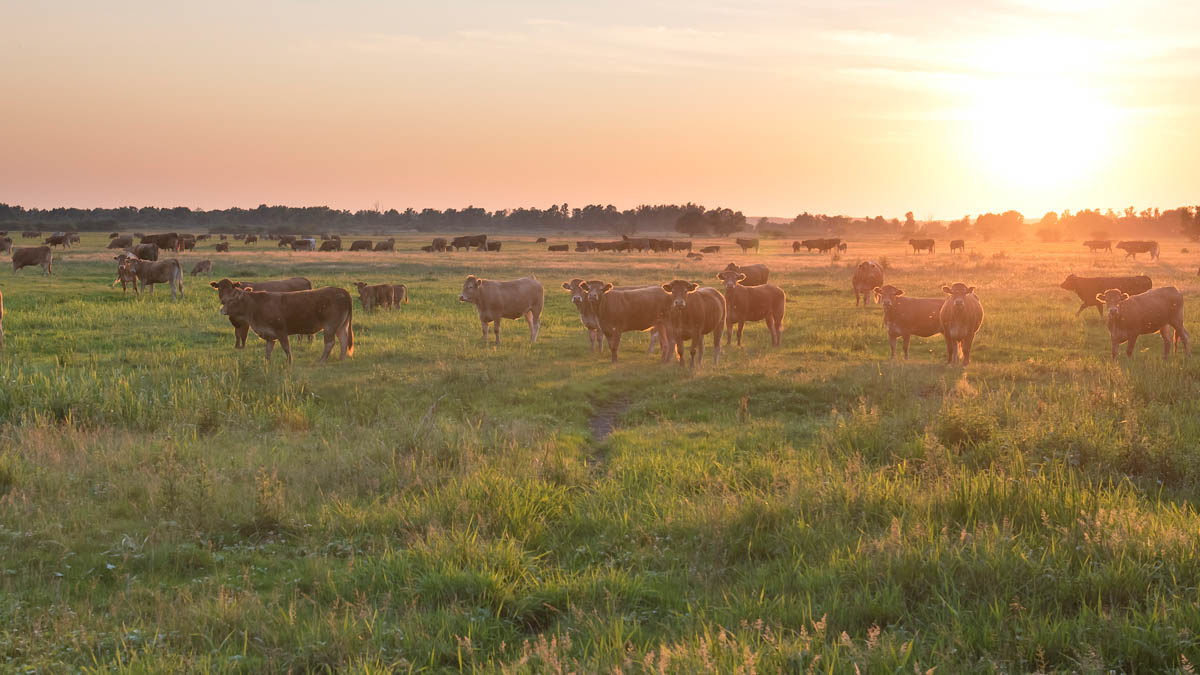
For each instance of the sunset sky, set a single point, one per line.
(860, 107)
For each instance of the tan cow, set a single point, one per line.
(399, 295)
(202, 267)
(150, 272)
(125, 275)
(752, 303)
(1156, 311)
(904, 317)
(275, 316)
(959, 318)
(379, 295)
(495, 300)
(27, 256)
(867, 277)
(694, 312)
(225, 289)
(592, 291)
(121, 242)
(756, 275)
(620, 310)
(587, 313)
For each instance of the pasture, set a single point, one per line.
(169, 503)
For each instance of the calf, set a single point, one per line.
(693, 313)
(960, 317)
(222, 247)
(919, 245)
(747, 244)
(27, 256)
(1132, 248)
(620, 310)
(399, 294)
(202, 267)
(867, 277)
(121, 242)
(796, 247)
(558, 248)
(959, 245)
(275, 316)
(497, 300)
(149, 272)
(225, 289)
(359, 245)
(756, 275)
(493, 246)
(1089, 288)
(439, 245)
(752, 303)
(125, 275)
(587, 312)
(1156, 311)
(1099, 245)
(379, 295)
(904, 317)
(711, 249)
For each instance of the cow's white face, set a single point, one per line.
(679, 290)
(958, 294)
(576, 288)
(887, 295)
(470, 290)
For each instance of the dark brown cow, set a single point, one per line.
(620, 310)
(747, 244)
(146, 251)
(795, 247)
(6, 245)
(756, 275)
(336, 245)
(285, 240)
(1099, 245)
(959, 245)
(389, 245)
(379, 295)
(1087, 288)
(187, 243)
(493, 246)
(307, 245)
(584, 246)
(752, 303)
(202, 237)
(239, 237)
(222, 237)
(867, 277)
(202, 267)
(695, 256)
(479, 241)
(640, 243)
(150, 272)
(904, 317)
(919, 245)
(26, 256)
(31, 234)
(121, 242)
(559, 248)
(360, 245)
(808, 244)
(1132, 248)
(166, 242)
(711, 249)
(497, 300)
(540, 240)
(694, 312)
(222, 247)
(225, 289)
(960, 317)
(1156, 311)
(114, 235)
(827, 245)
(680, 246)
(428, 248)
(276, 316)
(251, 239)
(58, 240)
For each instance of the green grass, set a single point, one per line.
(169, 503)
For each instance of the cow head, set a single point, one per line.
(594, 289)
(225, 288)
(886, 295)
(576, 288)
(1069, 283)
(679, 290)
(730, 278)
(234, 303)
(958, 294)
(470, 289)
(1112, 299)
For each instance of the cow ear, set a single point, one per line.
(692, 287)
(1100, 298)
(607, 288)
(566, 286)
(970, 289)
(1124, 296)
(719, 276)
(213, 284)
(666, 287)
(741, 277)
(945, 289)
(899, 292)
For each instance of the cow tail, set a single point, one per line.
(350, 331)
(405, 294)
(179, 276)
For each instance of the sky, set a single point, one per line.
(773, 107)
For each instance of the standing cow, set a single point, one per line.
(276, 316)
(752, 303)
(620, 310)
(27, 256)
(867, 277)
(904, 317)
(495, 300)
(747, 244)
(1156, 311)
(148, 273)
(960, 318)
(693, 313)
(1089, 288)
(225, 289)
(919, 245)
(756, 275)
(379, 295)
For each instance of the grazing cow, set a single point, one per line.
(114, 235)
(222, 237)
(399, 295)
(827, 245)
(225, 289)
(640, 243)
(747, 244)
(497, 300)
(202, 267)
(222, 247)
(31, 234)
(58, 240)
(960, 317)
(1099, 245)
(166, 242)
(756, 275)
(6, 245)
(584, 246)
(1155, 311)
(379, 295)
(202, 237)
(694, 312)
(479, 241)
(919, 245)
(559, 248)
(752, 303)
(146, 251)
(540, 240)
(239, 237)
(904, 317)
(439, 245)
(1132, 248)
(620, 310)
(285, 240)
(251, 239)
(711, 249)
(187, 243)
(335, 245)
(360, 245)
(26, 256)
(275, 316)
(493, 246)
(678, 246)
(606, 246)
(389, 245)
(808, 244)
(305, 245)
(1087, 288)
(587, 311)
(867, 277)
(958, 245)
(148, 273)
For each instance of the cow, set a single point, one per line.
(6, 245)
(1156, 311)
(692, 313)
(867, 277)
(31, 234)
(959, 318)
(187, 243)
(285, 240)
(439, 245)
(479, 241)
(620, 310)
(695, 256)
(680, 246)
(959, 245)
(919, 245)
(711, 249)
(559, 248)
(203, 237)
(747, 244)
(904, 317)
(359, 245)
(222, 237)
(58, 240)
(146, 251)
(606, 246)
(493, 246)
(125, 275)
(239, 237)
(808, 244)
(752, 303)
(587, 311)
(204, 266)
(495, 300)
(640, 243)
(428, 248)
(335, 245)
(399, 295)
(27, 256)
(275, 316)
(796, 247)
(251, 239)
(1132, 248)
(305, 245)
(166, 242)
(756, 275)
(1099, 245)
(222, 247)
(584, 246)
(379, 295)
(225, 289)
(113, 235)
(540, 240)
(1087, 288)
(827, 245)
(148, 273)
(389, 245)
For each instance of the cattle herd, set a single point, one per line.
(675, 313)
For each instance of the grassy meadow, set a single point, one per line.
(169, 503)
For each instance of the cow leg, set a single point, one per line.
(1181, 335)
(1167, 336)
(340, 335)
(951, 350)
(741, 325)
(496, 330)
(239, 336)
(906, 338)
(485, 328)
(697, 350)
(534, 326)
(614, 343)
(716, 346)
(270, 348)
(654, 337)
(287, 347)
(966, 349)
(679, 349)
(1130, 344)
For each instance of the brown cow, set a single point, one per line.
(26, 256)
(1099, 245)
(125, 275)
(30, 234)
(559, 248)
(1087, 288)
(389, 245)
(439, 245)
(756, 275)
(121, 242)
(225, 289)
(867, 277)
(620, 310)
(959, 245)
(251, 239)
(399, 295)
(960, 317)
(752, 303)
(587, 312)
(493, 246)
(795, 247)
(202, 237)
(711, 249)
(168, 241)
(919, 245)
(6, 245)
(150, 272)
(904, 317)
(695, 256)
(747, 244)
(1132, 248)
(204, 266)
(359, 245)
(495, 300)
(146, 251)
(222, 247)
(58, 240)
(1156, 311)
(309, 244)
(187, 242)
(335, 245)
(275, 316)
(379, 295)
(694, 312)
(285, 240)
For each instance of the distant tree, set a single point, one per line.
(692, 222)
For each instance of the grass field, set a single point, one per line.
(168, 503)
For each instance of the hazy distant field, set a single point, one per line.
(168, 503)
